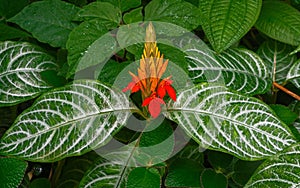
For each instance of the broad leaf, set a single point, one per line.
(281, 170)
(12, 172)
(294, 74)
(243, 170)
(239, 69)
(48, 21)
(124, 5)
(21, 65)
(279, 21)
(225, 22)
(106, 13)
(135, 15)
(284, 113)
(89, 44)
(144, 178)
(9, 8)
(177, 12)
(210, 178)
(276, 56)
(68, 121)
(8, 33)
(229, 122)
(106, 174)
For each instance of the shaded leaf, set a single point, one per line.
(281, 170)
(12, 172)
(279, 21)
(106, 13)
(284, 113)
(294, 74)
(67, 121)
(8, 33)
(40, 182)
(209, 179)
(225, 121)
(239, 69)
(9, 8)
(276, 56)
(227, 21)
(20, 72)
(143, 178)
(124, 5)
(177, 12)
(48, 21)
(133, 16)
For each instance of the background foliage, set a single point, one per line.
(59, 60)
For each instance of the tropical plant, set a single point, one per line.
(160, 93)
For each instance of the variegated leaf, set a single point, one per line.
(282, 170)
(229, 122)
(294, 74)
(21, 65)
(276, 56)
(239, 69)
(68, 121)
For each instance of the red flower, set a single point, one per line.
(154, 105)
(133, 86)
(166, 87)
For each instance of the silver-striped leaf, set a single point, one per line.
(282, 170)
(21, 65)
(229, 122)
(294, 74)
(67, 121)
(240, 69)
(276, 56)
(227, 21)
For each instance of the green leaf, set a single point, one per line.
(9, 8)
(12, 172)
(219, 161)
(40, 182)
(243, 170)
(21, 65)
(67, 121)
(279, 21)
(225, 121)
(89, 44)
(284, 113)
(143, 178)
(8, 33)
(176, 12)
(48, 21)
(227, 21)
(74, 169)
(192, 152)
(239, 69)
(275, 56)
(124, 5)
(209, 179)
(135, 15)
(281, 170)
(106, 13)
(184, 173)
(295, 51)
(294, 74)
(106, 174)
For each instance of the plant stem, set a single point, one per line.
(286, 91)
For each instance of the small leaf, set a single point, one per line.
(68, 121)
(135, 15)
(281, 170)
(240, 69)
(8, 33)
(294, 74)
(225, 121)
(275, 56)
(279, 21)
(284, 113)
(227, 21)
(184, 173)
(48, 21)
(176, 12)
(124, 5)
(143, 178)
(209, 179)
(21, 65)
(89, 44)
(106, 13)
(12, 172)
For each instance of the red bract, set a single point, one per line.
(148, 80)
